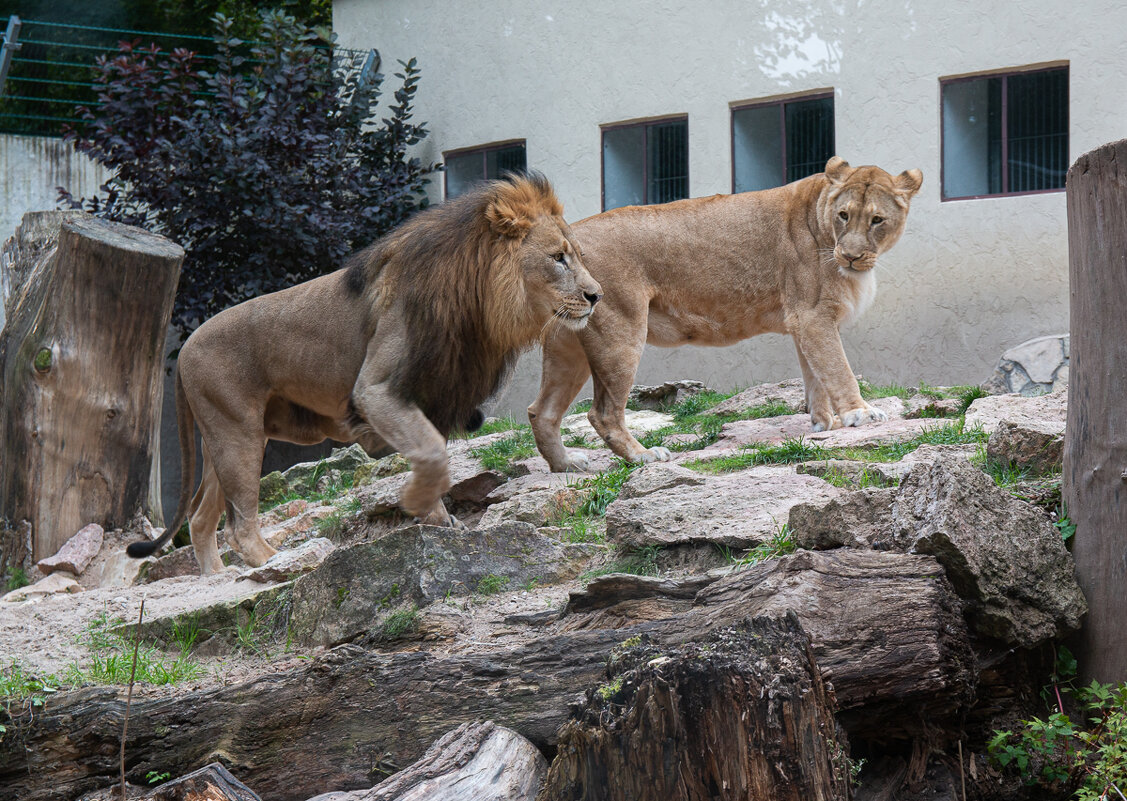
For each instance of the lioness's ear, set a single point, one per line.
(909, 182)
(509, 218)
(837, 170)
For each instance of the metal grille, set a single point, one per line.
(809, 136)
(464, 168)
(1037, 130)
(508, 159)
(668, 147)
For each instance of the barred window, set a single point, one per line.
(776, 142)
(466, 167)
(1005, 134)
(645, 163)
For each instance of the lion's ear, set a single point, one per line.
(508, 218)
(838, 170)
(909, 182)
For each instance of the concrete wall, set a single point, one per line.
(969, 277)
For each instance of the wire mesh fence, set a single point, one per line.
(50, 72)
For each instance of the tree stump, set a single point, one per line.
(743, 715)
(80, 379)
(1095, 455)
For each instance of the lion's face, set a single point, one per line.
(557, 285)
(867, 210)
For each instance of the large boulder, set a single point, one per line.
(1035, 367)
(1004, 559)
(665, 504)
(792, 392)
(77, 553)
(990, 411)
(356, 588)
(1028, 445)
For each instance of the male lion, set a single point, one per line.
(797, 260)
(399, 348)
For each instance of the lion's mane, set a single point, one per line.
(453, 272)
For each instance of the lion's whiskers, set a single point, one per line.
(557, 317)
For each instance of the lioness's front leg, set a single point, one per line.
(405, 428)
(822, 417)
(819, 342)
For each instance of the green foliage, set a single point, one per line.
(491, 584)
(642, 562)
(111, 658)
(866, 478)
(581, 406)
(157, 776)
(874, 391)
(778, 544)
(15, 578)
(1059, 751)
(496, 426)
(696, 404)
(397, 624)
(1063, 523)
(504, 453)
(602, 490)
(967, 396)
(789, 451)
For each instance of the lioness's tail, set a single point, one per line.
(186, 423)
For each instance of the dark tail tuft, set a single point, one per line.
(139, 550)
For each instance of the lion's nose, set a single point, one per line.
(592, 297)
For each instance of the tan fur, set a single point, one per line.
(717, 270)
(396, 350)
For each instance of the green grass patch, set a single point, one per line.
(789, 451)
(581, 406)
(111, 657)
(642, 562)
(503, 454)
(15, 578)
(706, 426)
(494, 426)
(778, 544)
(399, 624)
(863, 480)
(491, 584)
(874, 391)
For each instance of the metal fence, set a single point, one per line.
(46, 68)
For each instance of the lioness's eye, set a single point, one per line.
(561, 259)
(878, 220)
(843, 214)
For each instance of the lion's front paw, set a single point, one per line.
(824, 423)
(865, 414)
(577, 462)
(655, 454)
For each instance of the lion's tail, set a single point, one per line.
(186, 423)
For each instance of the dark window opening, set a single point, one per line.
(645, 163)
(464, 168)
(779, 142)
(1005, 134)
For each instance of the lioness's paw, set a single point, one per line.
(656, 454)
(577, 462)
(866, 414)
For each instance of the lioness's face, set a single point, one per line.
(868, 211)
(556, 282)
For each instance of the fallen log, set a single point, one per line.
(744, 714)
(478, 761)
(885, 629)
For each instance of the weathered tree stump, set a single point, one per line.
(210, 783)
(80, 378)
(744, 714)
(885, 629)
(477, 761)
(1095, 454)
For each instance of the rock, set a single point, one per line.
(927, 406)
(474, 489)
(792, 392)
(990, 411)
(1035, 367)
(308, 477)
(1000, 553)
(77, 553)
(884, 474)
(855, 519)
(58, 582)
(1034, 446)
(638, 422)
(659, 477)
(533, 481)
(380, 468)
(259, 609)
(178, 562)
(537, 507)
(292, 562)
(664, 395)
(292, 531)
(272, 489)
(736, 510)
(356, 587)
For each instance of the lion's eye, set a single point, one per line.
(878, 220)
(843, 215)
(561, 258)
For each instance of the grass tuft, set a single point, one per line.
(503, 454)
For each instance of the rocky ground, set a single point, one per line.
(967, 484)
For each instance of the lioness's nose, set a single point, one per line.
(592, 297)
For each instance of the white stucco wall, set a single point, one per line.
(968, 279)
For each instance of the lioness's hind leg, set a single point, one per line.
(203, 518)
(237, 465)
(563, 374)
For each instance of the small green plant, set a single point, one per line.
(873, 391)
(342, 596)
(16, 578)
(602, 490)
(111, 658)
(967, 396)
(491, 584)
(504, 453)
(581, 406)
(789, 451)
(1059, 751)
(1063, 523)
(157, 777)
(397, 624)
(642, 562)
(866, 478)
(610, 689)
(778, 544)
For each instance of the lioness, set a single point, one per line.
(797, 260)
(399, 348)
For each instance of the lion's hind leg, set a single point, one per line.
(203, 518)
(563, 374)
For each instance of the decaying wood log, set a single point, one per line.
(1095, 448)
(477, 761)
(210, 783)
(891, 638)
(81, 380)
(744, 714)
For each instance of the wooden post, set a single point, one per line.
(81, 357)
(1095, 456)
